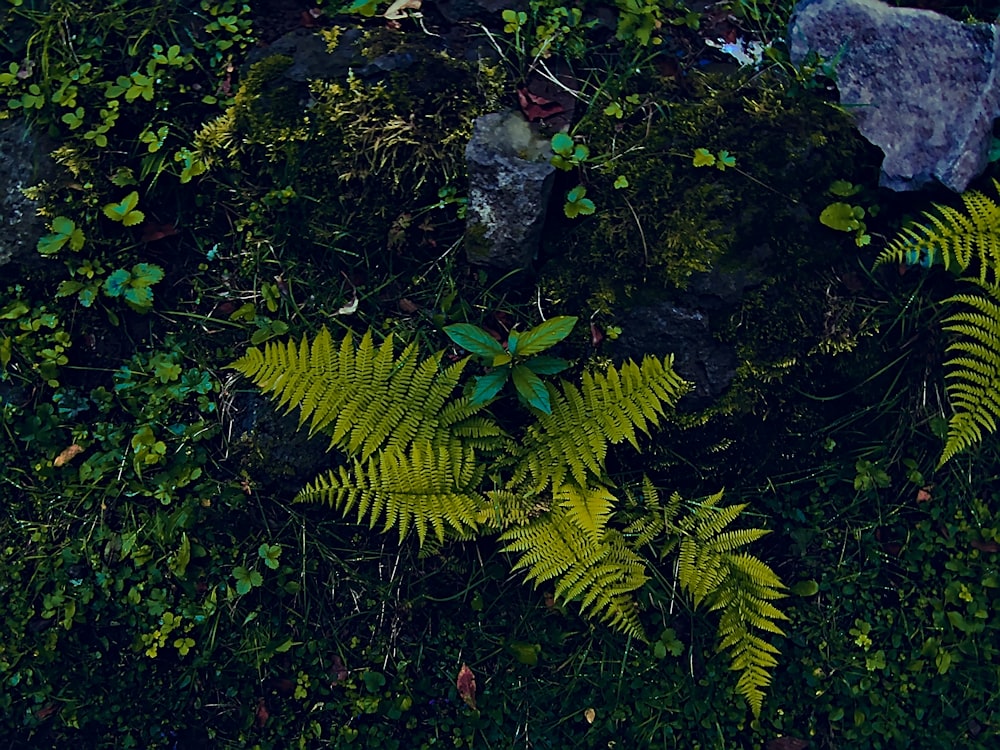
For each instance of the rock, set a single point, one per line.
(921, 86)
(23, 163)
(510, 180)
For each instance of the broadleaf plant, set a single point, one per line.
(125, 211)
(518, 362)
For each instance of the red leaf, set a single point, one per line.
(339, 670)
(151, 231)
(262, 715)
(985, 546)
(466, 684)
(596, 335)
(537, 107)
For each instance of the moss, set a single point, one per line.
(673, 219)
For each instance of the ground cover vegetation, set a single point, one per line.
(502, 524)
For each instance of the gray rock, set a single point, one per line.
(922, 87)
(23, 163)
(510, 180)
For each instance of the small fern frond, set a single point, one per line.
(571, 443)
(602, 575)
(958, 238)
(429, 487)
(973, 376)
(588, 507)
(366, 398)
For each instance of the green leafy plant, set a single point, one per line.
(577, 204)
(720, 160)
(134, 286)
(960, 241)
(125, 211)
(417, 459)
(519, 361)
(567, 153)
(64, 232)
(847, 217)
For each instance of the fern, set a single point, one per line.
(602, 572)
(974, 372)
(366, 399)
(430, 485)
(415, 462)
(715, 574)
(571, 443)
(957, 238)
(963, 240)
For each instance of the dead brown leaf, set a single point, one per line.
(466, 684)
(67, 455)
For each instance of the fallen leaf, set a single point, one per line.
(466, 684)
(549, 599)
(46, 711)
(396, 11)
(985, 546)
(596, 335)
(590, 714)
(151, 231)
(536, 107)
(924, 494)
(786, 743)
(262, 714)
(339, 670)
(408, 306)
(67, 455)
(349, 309)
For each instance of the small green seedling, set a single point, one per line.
(125, 211)
(578, 205)
(567, 153)
(720, 160)
(64, 232)
(847, 217)
(519, 361)
(134, 286)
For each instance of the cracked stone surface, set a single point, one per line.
(23, 163)
(921, 86)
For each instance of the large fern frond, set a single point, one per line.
(430, 485)
(714, 571)
(958, 238)
(571, 443)
(364, 397)
(973, 378)
(601, 574)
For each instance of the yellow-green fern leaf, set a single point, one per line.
(958, 238)
(429, 487)
(365, 397)
(973, 376)
(571, 443)
(602, 576)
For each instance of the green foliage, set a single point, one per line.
(847, 217)
(135, 285)
(960, 241)
(714, 571)
(954, 238)
(577, 204)
(518, 362)
(705, 158)
(64, 232)
(125, 211)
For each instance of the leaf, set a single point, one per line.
(545, 335)
(151, 231)
(146, 274)
(525, 653)
(840, 216)
(590, 714)
(116, 282)
(844, 189)
(534, 107)
(67, 455)
(488, 386)
(583, 207)
(182, 558)
(270, 554)
(140, 297)
(118, 211)
(397, 11)
(513, 338)
(805, 588)
(562, 144)
(621, 181)
(725, 160)
(474, 339)
(531, 388)
(703, 158)
(466, 684)
(546, 365)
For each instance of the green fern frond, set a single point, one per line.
(656, 519)
(364, 397)
(958, 238)
(602, 575)
(738, 585)
(571, 443)
(973, 376)
(431, 485)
